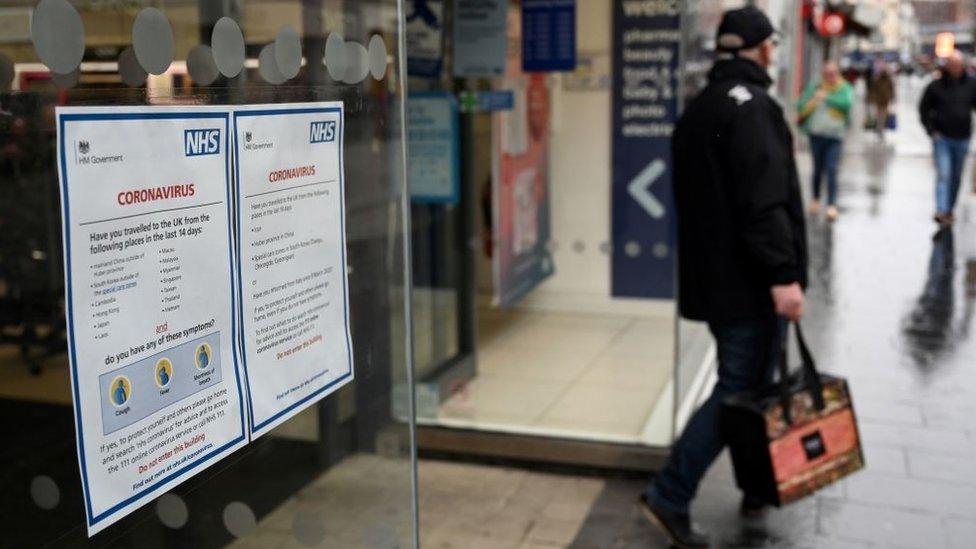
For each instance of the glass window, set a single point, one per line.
(341, 472)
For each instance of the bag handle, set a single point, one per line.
(811, 377)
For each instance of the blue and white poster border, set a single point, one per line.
(101, 518)
(260, 425)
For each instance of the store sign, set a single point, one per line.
(548, 35)
(155, 283)
(646, 42)
(425, 37)
(433, 143)
(480, 38)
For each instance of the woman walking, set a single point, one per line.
(881, 93)
(825, 112)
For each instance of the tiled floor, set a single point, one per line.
(578, 375)
(474, 506)
(362, 502)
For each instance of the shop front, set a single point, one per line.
(239, 263)
(545, 326)
(202, 275)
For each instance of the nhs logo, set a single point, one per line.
(201, 142)
(322, 132)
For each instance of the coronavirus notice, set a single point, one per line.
(149, 298)
(291, 216)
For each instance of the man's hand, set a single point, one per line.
(788, 301)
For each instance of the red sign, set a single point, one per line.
(833, 24)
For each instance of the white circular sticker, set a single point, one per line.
(288, 52)
(227, 43)
(201, 66)
(66, 81)
(172, 511)
(357, 63)
(335, 56)
(308, 528)
(58, 35)
(268, 67)
(377, 57)
(239, 519)
(45, 492)
(152, 40)
(130, 70)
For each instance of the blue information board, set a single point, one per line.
(434, 171)
(548, 35)
(646, 43)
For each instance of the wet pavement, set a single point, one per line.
(890, 308)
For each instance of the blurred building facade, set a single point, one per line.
(955, 16)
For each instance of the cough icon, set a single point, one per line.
(119, 391)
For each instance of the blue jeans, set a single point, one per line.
(748, 352)
(950, 159)
(826, 161)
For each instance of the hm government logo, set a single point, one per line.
(201, 142)
(253, 142)
(84, 157)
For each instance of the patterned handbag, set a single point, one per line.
(794, 437)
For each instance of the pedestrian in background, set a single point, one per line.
(825, 115)
(947, 114)
(881, 94)
(743, 260)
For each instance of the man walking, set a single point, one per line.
(946, 109)
(742, 248)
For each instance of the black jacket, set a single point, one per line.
(947, 107)
(740, 212)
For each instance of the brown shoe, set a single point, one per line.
(832, 213)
